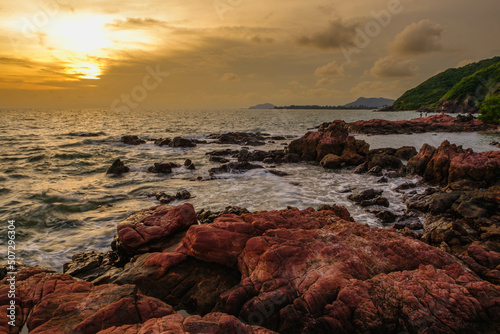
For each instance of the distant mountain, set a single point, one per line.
(429, 93)
(263, 106)
(373, 102)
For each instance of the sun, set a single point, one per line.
(77, 40)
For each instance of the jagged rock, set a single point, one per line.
(132, 140)
(365, 195)
(163, 142)
(182, 142)
(234, 167)
(160, 168)
(118, 168)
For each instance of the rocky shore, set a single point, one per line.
(171, 269)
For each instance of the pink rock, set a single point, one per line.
(150, 229)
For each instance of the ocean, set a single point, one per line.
(53, 164)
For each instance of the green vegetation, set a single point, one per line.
(429, 93)
(490, 110)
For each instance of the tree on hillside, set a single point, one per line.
(490, 110)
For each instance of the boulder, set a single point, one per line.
(151, 229)
(160, 168)
(132, 140)
(182, 142)
(235, 167)
(163, 142)
(118, 168)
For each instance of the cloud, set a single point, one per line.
(337, 34)
(392, 67)
(260, 40)
(418, 38)
(330, 70)
(324, 82)
(229, 77)
(136, 23)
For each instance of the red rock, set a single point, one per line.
(332, 139)
(451, 163)
(213, 323)
(57, 303)
(435, 123)
(223, 240)
(150, 229)
(349, 277)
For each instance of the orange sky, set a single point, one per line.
(232, 53)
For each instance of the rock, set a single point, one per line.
(240, 138)
(234, 167)
(160, 168)
(435, 123)
(91, 265)
(385, 161)
(151, 229)
(383, 180)
(331, 139)
(363, 168)
(166, 198)
(406, 152)
(386, 216)
(365, 195)
(207, 216)
(218, 159)
(495, 143)
(163, 142)
(117, 168)
(450, 163)
(57, 303)
(338, 211)
(132, 140)
(189, 164)
(277, 172)
(223, 152)
(182, 142)
(331, 161)
(392, 174)
(379, 200)
(405, 186)
(410, 222)
(375, 171)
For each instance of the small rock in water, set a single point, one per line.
(379, 200)
(189, 164)
(365, 195)
(163, 141)
(218, 159)
(161, 168)
(117, 168)
(277, 172)
(383, 180)
(182, 142)
(165, 198)
(132, 140)
(495, 143)
(385, 216)
(376, 171)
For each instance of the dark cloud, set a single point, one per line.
(392, 67)
(418, 38)
(337, 34)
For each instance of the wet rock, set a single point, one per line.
(57, 303)
(406, 152)
(338, 211)
(379, 200)
(219, 159)
(163, 142)
(207, 216)
(118, 168)
(407, 221)
(361, 169)
(332, 139)
(160, 168)
(365, 195)
(383, 180)
(291, 158)
(189, 164)
(91, 265)
(182, 142)
(450, 163)
(386, 216)
(392, 174)
(240, 138)
(435, 123)
(167, 198)
(495, 143)
(234, 167)
(385, 162)
(331, 161)
(375, 171)
(151, 229)
(223, 152)
(277, 172)
(405, 186)
(132, 140)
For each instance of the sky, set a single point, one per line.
(210, 54)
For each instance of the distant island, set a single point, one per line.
(263, 106)
(360, 104)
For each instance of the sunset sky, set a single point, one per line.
(232, 53)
